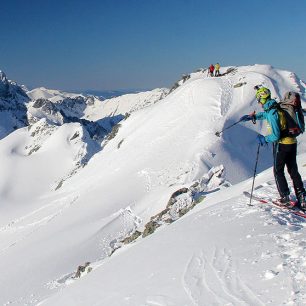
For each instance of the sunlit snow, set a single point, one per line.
(67, 203)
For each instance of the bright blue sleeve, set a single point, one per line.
(261, 116)
(272, 118)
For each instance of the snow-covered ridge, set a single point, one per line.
(92, 107)
(161, 160)
(124, 104)
(50, 94)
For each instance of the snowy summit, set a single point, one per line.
(135, 201)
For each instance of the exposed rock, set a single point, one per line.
(83, 270)
(10, 90)
(131, 238)
(181, 202)
(13, 109)
(150, 228)
(239, 84)
(39, 133)
(54, 112)
(231, 70)
(176, 194)
(177, 84)
(120, 143)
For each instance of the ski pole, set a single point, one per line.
(253, 121)
(255, 169)
(219, 133)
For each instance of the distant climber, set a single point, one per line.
(211, 69)
(284, 148)
(217, 70)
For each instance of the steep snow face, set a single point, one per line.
(42, 108)
(97, 116)
(72, 105)
(39, 159)
(160, 161)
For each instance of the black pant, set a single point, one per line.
(285, 154)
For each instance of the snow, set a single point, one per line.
(49, 94)
(59, 215)
(124, 104)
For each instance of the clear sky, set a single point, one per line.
(123, 44)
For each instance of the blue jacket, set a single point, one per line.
(271, 115)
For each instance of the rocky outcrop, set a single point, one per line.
(13, 109)
(182, 201)
(11, 91)
(83, 270)
(59, 113)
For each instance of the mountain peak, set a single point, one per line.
(3, 76)
(4, 84)
(10, 90)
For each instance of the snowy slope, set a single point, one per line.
(92, 107)
(157, 151)
(49, 94)
(59, 107)
(124, 104)
(223, 253)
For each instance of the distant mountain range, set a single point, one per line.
(108, 94)
(21, 107)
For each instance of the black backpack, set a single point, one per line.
(292, 109)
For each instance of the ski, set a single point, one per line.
(291, 209)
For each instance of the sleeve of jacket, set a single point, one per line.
(261, 116)
(274, 122)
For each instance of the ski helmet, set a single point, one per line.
(263, 94)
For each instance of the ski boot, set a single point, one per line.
(302, 201)
(285, 201)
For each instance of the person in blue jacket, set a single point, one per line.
(284, 147)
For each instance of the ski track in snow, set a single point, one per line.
(159, 300)
(204, 279)
(26, 225)
(114, 229)
(226, 95)
(290, 243)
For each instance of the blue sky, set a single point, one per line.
(122, 44)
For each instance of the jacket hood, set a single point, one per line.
(268, 104)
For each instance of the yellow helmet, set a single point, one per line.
(263, 94)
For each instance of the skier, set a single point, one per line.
(217, 70)
(284, 148)
(211, 70)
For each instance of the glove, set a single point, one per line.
(246, 118)
(261, 140)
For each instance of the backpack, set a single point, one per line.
(290, 110)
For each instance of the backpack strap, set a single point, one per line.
(273, 106)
